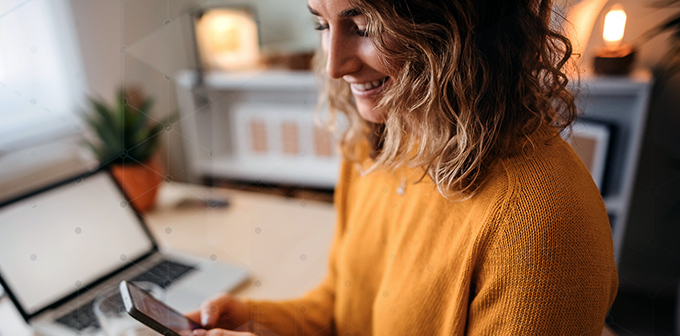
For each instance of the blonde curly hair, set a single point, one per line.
(474, 79)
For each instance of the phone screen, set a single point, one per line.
(161, 313)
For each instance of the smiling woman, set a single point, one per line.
(351, 56)
(461, 211)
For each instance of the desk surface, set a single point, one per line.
(283, 242)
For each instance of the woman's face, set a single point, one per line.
(351, 55)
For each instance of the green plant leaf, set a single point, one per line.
(139, 127)
(103, 112)
(120, 127)
(108, 137)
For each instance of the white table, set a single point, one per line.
(283, 242)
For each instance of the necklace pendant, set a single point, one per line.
(401, 190)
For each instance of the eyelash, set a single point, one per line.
(319, 26)
(359, 32)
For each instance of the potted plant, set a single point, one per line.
(127, 140)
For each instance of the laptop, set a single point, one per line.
(63, 245)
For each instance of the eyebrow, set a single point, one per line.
(347, 13)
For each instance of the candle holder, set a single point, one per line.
(614, 61)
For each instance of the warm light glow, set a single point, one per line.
(224, 33)
(579, 23)
(614, 26)
(228, 39)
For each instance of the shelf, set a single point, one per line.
(259, 126)
(621, 102)
(632, 84)
(613, 204)
(252, 80)
(315, 173)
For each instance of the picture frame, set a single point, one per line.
(591, 140)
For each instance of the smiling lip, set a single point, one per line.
(359, 90)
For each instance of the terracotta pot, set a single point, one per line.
(140, 182)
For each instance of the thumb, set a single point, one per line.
(208, 314)
(210, 309)
(194, 315)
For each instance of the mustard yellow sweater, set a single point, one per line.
(529, 254)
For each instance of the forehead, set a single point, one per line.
(329, 8)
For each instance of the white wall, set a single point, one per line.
(145, 42)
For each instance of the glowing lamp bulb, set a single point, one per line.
(614, 26)
(221, 23)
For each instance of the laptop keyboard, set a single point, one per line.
(162, 273)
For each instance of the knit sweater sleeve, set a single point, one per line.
(545, 264)
(312, 314)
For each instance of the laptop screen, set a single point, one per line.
(54, 242)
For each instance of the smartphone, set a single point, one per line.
(153, 313)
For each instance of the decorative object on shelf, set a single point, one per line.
(227, 38)
(127, 140)
(614, 58)
(298, 61)
(590, 139)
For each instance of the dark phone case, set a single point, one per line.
(161, 329)
(151, 323)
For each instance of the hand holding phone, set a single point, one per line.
(222, 311)
(153, 313)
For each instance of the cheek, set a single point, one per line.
(375, 59)
(368, 52)
(324, 44)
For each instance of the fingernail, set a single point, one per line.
(205, 318)
(199, 332)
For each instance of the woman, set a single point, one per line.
(460, 209)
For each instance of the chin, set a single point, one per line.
(372, 114)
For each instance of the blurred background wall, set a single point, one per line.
(145, 42)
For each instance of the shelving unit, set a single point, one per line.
(272, 114)
(622, 102)
(260, 126)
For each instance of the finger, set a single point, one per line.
(210, 309)
(209, 313)
(194, 315)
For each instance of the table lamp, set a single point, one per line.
(614, 58)
(227, 39)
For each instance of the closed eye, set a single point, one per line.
(321, 26)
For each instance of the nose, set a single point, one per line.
(341, 55)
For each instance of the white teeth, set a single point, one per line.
(369, 85)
